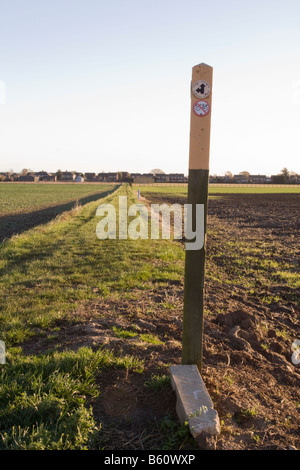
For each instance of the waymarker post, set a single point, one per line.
(201, 95)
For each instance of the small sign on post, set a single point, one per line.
(201, 94)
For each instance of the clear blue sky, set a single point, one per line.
(95, 85)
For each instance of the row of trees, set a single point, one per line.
(284, 176)
(281, 178)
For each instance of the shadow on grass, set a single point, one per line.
(18, 223)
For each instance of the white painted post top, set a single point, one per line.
(201, 101)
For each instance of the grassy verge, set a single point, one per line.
(45, 399)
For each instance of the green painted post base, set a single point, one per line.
(192, 344)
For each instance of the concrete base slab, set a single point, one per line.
(194, 404)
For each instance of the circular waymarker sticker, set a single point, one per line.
(201, 108)
(201, 89)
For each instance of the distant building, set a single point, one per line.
(28, 178)
(45, 176)
(107, 177)
(282, 179)
(68, 176)
(294, 179)
(161, 178)
(258, 179)
(240, 179)
(41, 174)
(217, 179)
(90, 176)
(176, 178)
(145, 178)
(6, 176)
(100, 177)
(277, 179)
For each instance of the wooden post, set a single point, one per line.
(201, 87)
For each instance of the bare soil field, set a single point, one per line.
(251, 320)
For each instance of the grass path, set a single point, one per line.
(46, 270)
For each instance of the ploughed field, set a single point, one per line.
(251, 317)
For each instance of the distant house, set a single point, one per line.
(68, 176)
(144, 178)
(161, 178)
(227, 178)
(100, 177)
(176, 178)
(295, 179)
(277, 179)
(107, 177)
(41, 174)
(240, 179)
(6, 176)
(281, 179)
(28, 178)
(217, 179)
(258, 179)
(111, 177)
(90, 176)
(45, 176)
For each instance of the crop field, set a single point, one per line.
(24, 205)
(91, 327)
(242, 189)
